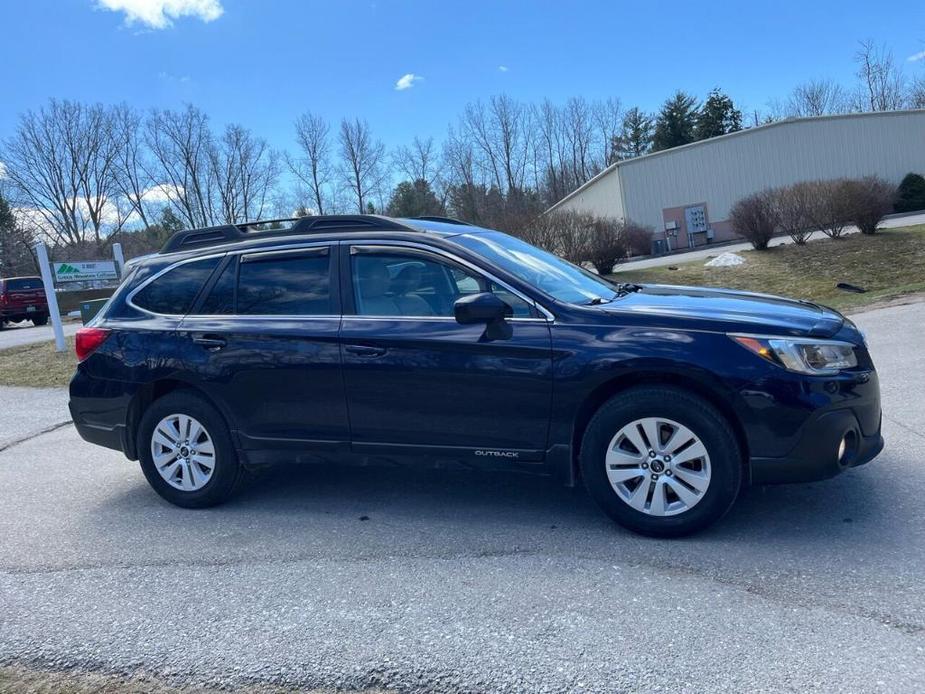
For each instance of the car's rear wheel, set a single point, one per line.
(186, 451)
(661, 461)
(39, 320)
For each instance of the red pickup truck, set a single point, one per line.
(23, 298)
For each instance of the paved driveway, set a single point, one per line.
(15, 334)
(445, 581)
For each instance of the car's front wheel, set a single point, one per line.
(186, 451)
(661, 461)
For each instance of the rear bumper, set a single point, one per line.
(99, 411)
(816, 455)
(20, 313)
(108, 437)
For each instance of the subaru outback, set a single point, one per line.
(366, 339)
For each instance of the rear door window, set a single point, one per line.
(173, 292)
(286, 284)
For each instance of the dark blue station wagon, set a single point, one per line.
(365, 338)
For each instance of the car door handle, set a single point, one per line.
(212, 343)
(364, 351)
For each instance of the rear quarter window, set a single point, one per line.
(173, 292)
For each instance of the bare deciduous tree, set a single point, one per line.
(418, 161)
(245, 172)
(817, 98)
(883, 84)
(60, 162)
(180, 143)
(499, 133)
(361, 161)
(608, 120)
(130, 172)
(312, 166)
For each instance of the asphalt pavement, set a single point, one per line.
(448, 581)
(24, 333)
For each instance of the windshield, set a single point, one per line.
(545, 271)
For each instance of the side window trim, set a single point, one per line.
(356, 247)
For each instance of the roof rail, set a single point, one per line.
(445, 220)
(229, 233)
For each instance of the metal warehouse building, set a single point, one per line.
(686, 193)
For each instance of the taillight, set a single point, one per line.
(88, 340)
(4, 299)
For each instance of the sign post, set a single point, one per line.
(119, 258)
(41, 253)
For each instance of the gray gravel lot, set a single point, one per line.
(473, 582)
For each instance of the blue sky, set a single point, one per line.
(262, 62)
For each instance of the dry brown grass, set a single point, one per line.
(37, 365)
(888, 264)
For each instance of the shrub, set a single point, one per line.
(910, 196)
(754, 218)
(638, 238)
(791, 207)
(871, 199)
(830, 209)
(606, 244)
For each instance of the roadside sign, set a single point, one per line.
(81, 272)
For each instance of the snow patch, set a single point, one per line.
(726, 260)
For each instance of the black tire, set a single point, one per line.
(685, 408)
(227, 471)
(40, 320)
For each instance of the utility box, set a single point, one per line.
(88, 309)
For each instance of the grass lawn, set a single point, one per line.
(887, 264)
(37, 365)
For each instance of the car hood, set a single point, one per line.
(730, 310)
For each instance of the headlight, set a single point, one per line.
(803, 355)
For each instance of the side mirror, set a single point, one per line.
(481, 308)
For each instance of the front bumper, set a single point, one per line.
(816, 455)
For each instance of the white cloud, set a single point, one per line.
(161, 193)
(503, 68)
(2, 170)
(159, 14)
(407, 81)
(917, 56)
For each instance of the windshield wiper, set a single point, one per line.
(627, 288)
(623, 288)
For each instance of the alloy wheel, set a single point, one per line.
(658, 466)
(183, 452)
